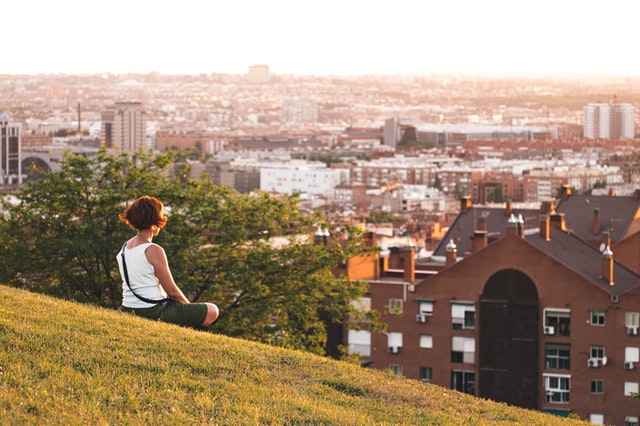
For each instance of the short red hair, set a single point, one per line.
(144, 212)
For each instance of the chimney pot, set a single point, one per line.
(596, 221)
(409, 274)
(465, 204)
(607, 265)
(544, 227)
(479, 240)
(508, 208)
(451, 253)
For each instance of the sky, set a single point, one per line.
(330, 37)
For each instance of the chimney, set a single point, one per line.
(547, 207)
(607, 266)
(508, 209)
(465, 204)
(479, 240)
(565, 192)
(482, 224)
(520, 226)
(409, 263)
(452, 253)
(596, 221)
(612, 192)
(606, 240)
(558, 220)
(544, 227)
(512, 225)
(636, 195)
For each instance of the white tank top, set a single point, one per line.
(142, 278)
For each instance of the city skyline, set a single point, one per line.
(328, 38)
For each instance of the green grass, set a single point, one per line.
(67, 363)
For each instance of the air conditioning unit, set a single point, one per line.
(632, 331)
(394, 349)
(593, 362)
(549, 330)
(421, 318)
(629, 365)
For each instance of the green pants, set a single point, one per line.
(186, 314)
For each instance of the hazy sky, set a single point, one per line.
(320, 37)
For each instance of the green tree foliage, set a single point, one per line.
(252, 254)
(496, 195)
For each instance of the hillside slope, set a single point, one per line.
(66, 363)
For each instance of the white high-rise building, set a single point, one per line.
(10, 152)
(609, 121)
(124, 127)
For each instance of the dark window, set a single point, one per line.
(463, 381)
(425, 373)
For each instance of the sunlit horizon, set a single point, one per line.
(329, 38)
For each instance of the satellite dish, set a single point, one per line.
(603, 246)
(604, 360)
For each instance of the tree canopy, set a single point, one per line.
(251, 254)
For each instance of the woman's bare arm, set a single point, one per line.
(157, 257)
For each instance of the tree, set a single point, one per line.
(252, 254)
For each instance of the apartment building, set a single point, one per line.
(534, 316)
(609, 121)
(124, 127)
(10, 152)
(301, 177)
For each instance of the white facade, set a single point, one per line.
(302, 179)
(609, 121)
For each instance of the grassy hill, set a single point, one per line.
(66, 363)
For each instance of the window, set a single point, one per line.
(597, 419)
(463, 349)
(558, 321)
(463, 315)
(557, 356)
(631, 354)
(395, 306)
(630, 388)
(425, 307)
(597, 316)
(396, 369)
(426, 341)
(631, 421)
(395, 342)
(359, 342)
(463, 381)
(557, 388)
(597, 386)
(632, 322)
(426, 373)
(362, 306)
(597, 352)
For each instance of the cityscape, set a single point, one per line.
(508, 264)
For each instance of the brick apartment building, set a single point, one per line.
(525, 310)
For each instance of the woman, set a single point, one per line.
(148, 288)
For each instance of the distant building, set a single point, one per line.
(299, 111)
(124, 127)
(10, 152)
(609, 121)
(258, 73)
(309, 178)
(403, 131)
